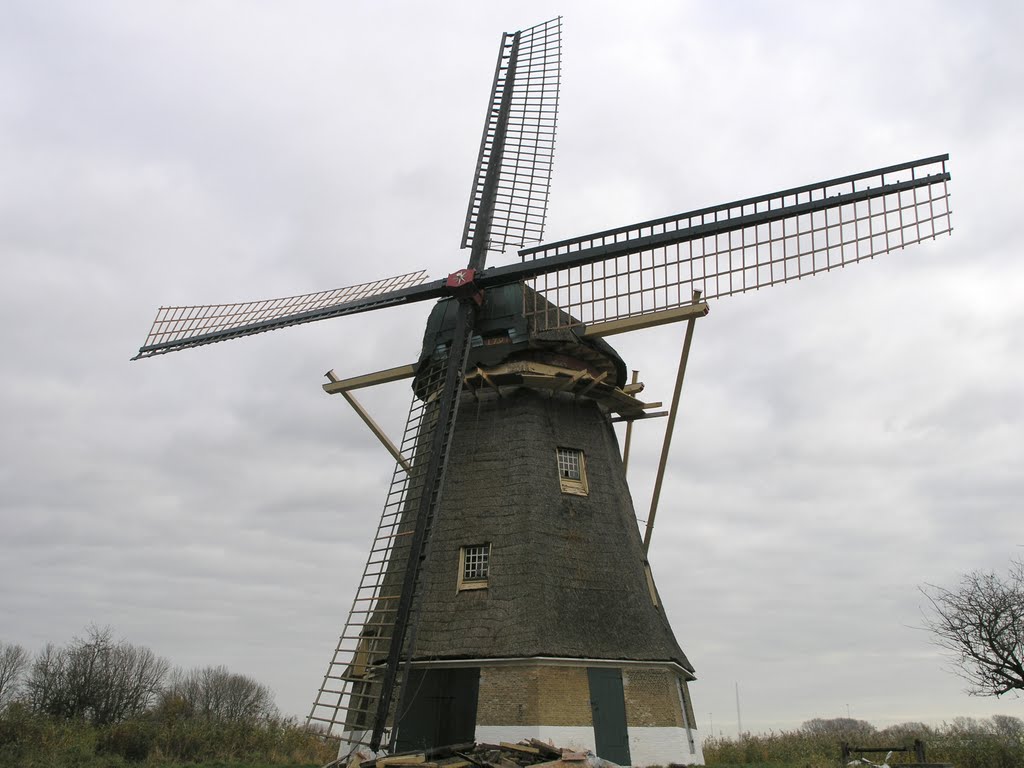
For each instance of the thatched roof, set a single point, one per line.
(567, 572)
(503, 332)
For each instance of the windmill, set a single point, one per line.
(507, 591)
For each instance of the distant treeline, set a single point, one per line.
(100, 701)
(996, 742)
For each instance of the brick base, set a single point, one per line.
(552, 701)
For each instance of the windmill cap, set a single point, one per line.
(502, 331)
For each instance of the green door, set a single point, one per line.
(441, 708)
(608, 705)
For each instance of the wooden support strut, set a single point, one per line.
(673, 410)
(629, 430)
(369, 421)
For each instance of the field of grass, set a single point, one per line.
(964, 742)
(29, 740)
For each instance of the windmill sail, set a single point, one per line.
(177, 328)
(519, 135)
(365, 686)
(740, 246)
(358, 695)
(646, 267)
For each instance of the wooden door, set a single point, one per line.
(608, 705)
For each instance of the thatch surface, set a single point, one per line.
(567, 572)
(501, 319)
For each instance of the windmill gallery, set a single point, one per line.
(507, 593)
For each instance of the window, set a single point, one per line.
(474, 565)
(572, 471)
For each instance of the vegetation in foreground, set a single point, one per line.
(161, 738)
(101, 703)
(996, 742)
(98, 702)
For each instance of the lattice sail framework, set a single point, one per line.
(348, 705)
(528, 78)
(741, 246)
(181, 327)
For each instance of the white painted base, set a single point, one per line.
(661, 746)
(647, 746)
(578, 738)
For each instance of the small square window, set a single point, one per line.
(474, 565)
(572, 471)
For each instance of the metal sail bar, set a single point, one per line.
(736, 247)
(181, 327)
(521, 141)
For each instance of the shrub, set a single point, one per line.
(133, 740)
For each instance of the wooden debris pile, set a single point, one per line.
(532, 752)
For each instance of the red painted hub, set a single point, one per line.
(462, 285)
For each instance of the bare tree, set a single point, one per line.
(981, 624)
(45, 686)
(214, 693)
(14, 662)
(96, 678)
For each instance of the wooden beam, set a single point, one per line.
(639, 417)
(649, 320)
(630, 388)
(336, 385)
(571, 381)
(597, 380)
(377, 431)
(634, 387)
(670, 426)
(490, 382)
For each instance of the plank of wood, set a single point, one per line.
(414, 759)
(369, 379)
(546, 749)
(520, 748)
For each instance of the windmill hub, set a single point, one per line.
(462, 286)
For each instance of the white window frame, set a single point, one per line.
(479, 583)
(575, 486)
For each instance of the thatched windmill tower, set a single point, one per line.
(538, 612)
(507, 592)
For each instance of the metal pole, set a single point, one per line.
(739, 717)
(670, 427)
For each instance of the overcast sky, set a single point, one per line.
(841, 441)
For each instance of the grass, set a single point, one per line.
(966, 743)
(28, 740)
